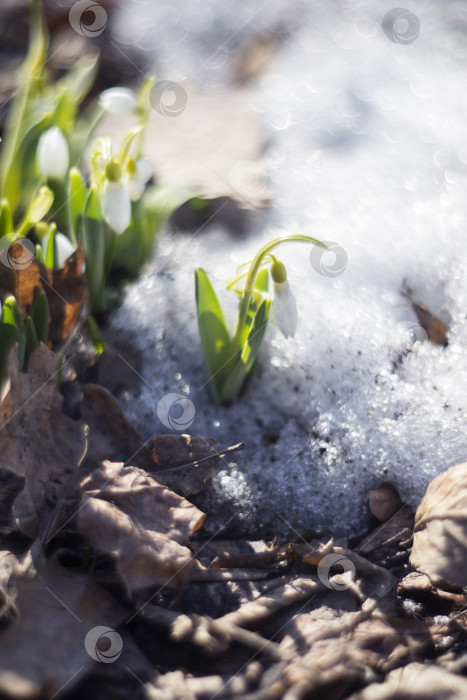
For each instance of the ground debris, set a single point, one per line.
(440, 530)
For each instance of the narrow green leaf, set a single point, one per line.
(39, 254)
(215, 337)
(13, 317)
(96, 336)
(262, 281)
(94, 250)
(8, 339)
(50, 250)
(77, 196)
(6, 219)
(40, 206)
(40, 316)
(247, 358)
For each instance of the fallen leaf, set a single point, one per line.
(111, 435)
(384, 501)
(171, 452)
(10, 486)
(37, 441)
(390, 534)
(44, 650)
(440, 530)
(141, 523)
(416, 682)
(66, 291)
(430, 588)
(434, 327)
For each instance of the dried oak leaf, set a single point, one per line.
(37, 441)
(111, 435)
(172, 452)
(142, 524)
(384, 501)
(440, 530)
(66, 291)
(416, 682)
(45, 649)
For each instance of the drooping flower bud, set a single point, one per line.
(53, 155)
(284, 306)
(118, 100)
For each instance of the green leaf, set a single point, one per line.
(94, 250)
(6, 219)
(134, 246)
(40, 254)
(215, 337)
(96, 336)
(8, 339)
(246, 359)
(40, 316)
(50, 250)
(77, 196)
(262, 281)
(39, 207)
(80, 78)
(12, 316)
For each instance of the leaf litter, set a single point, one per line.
(99, 534)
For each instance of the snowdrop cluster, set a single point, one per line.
(230, 360)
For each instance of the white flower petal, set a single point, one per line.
(118, 100)
(53, 155)
(116, 206)
(136, 183)
(63, 249)
(284, 309)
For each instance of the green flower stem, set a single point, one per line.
(28, 74)
(237, 342)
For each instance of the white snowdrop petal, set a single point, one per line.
(136, 183)
(284, 308)
(53, 155)
(63, 249)
(116, 206)
(118, 100)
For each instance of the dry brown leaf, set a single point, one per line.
(430, 587)
(394, 531)
(44, 649)
(418, 682)
(172, 451)
(66, 291)
(10, 486)
(37, 441)
(440, 531)
(141, 523)
(434, 327)
(384, 501)
(111, 435)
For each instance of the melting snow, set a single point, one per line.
(368, 149)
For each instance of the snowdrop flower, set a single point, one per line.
(138, 173)
(115, 202)
(284, 307)
(53, 155)
(63, 249)
(118, 100)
